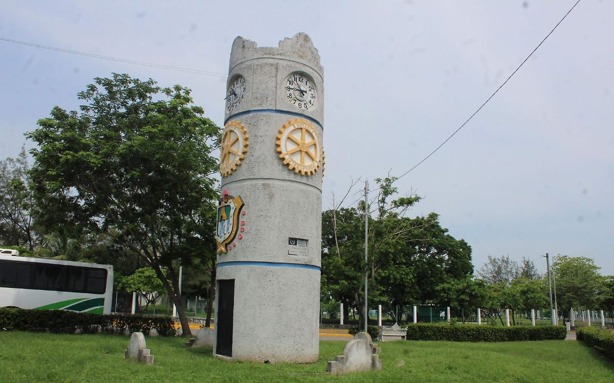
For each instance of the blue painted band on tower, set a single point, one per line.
(269, 264)
(274, 111)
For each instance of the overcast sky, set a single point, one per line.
(531, 173)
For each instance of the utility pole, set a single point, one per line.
(550, 289)
(366, 254)
(556, 307)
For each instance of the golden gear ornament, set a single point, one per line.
(323, 167)
(235, 142)
(299, 146)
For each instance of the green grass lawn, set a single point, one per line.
(33, 357)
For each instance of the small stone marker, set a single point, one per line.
(205, 337)
(358, 355)
(137, 349)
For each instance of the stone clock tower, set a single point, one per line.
(270, 213)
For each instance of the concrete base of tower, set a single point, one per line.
(275, 312)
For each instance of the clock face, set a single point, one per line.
(300, 91)
(236, 92)
(299, 146)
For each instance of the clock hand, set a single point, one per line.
(298, 90)
(232, 93)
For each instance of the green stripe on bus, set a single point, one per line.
(96, 310)
(86, 305)
(60, 305)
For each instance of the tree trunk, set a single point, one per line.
(210, 295)
(346, 312)
(361, 311)
(183, 318)
(172, 289)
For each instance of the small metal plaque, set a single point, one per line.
(297, 246)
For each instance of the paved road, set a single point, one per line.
(334, 334)
(325, 334)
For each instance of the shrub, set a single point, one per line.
(372, 330)
(600, 340)
(69, 322)
(473, 333)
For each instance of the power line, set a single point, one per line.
(110, 58)
(208, 73)
(492, 95)
(485, 102)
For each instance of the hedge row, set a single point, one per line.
(69, 322)
(599, 339)
(473, 333)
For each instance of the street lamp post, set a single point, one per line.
(550, 289)
(556, 307)
(366, 254)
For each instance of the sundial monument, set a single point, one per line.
(270, 213)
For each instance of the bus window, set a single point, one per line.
(96, 281)
(76, 280)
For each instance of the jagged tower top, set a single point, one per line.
(299, 48)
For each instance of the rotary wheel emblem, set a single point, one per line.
(323, 162)
(299, 147)
(234, 146)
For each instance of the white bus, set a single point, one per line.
(48, 284)
(9, 252)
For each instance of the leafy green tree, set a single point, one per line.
(342, 257)
(407, 257)
(144, 281)
(501, 270)
(608, 298)
(529, 294)
(578, 283)
(16, 203)
(58, 245)
(528, 270)
(437, 256)
(199, 273)
(512, 286)
(136, 160)
(493, 300)
(463, 294)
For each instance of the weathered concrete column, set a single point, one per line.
(448, 314)
(533, 317)
(479, 316)
(133, 308)
(602, 318)
(415, 314)
(379, 315)
(341, 313)
(507, 317)
(270, 215)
